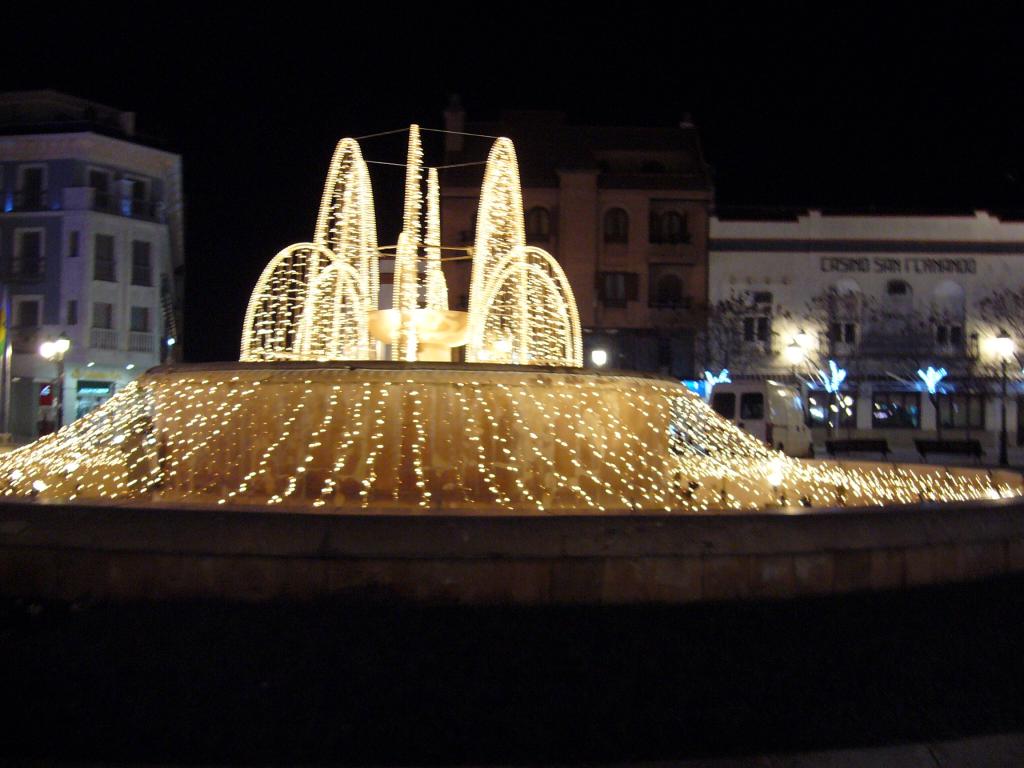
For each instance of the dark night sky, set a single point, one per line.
(797, 104)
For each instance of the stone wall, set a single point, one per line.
(71, 552)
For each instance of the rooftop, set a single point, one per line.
(48, 111)
(668, 158)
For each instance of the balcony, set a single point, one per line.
(30, 200)
(25, 340)
(105, 201)
(895, 345)
(24, 270)
(103, 338)
(139, 341)
(684, 303)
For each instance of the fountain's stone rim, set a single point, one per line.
(389, 365)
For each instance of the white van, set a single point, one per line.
(769, 411)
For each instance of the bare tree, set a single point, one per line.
(727, 339)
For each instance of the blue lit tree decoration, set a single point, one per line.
(712, 379)
(931, 378)
(832, 382)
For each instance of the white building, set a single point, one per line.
(882, 296)
(91, 246)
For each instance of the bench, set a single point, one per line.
(858, 445)
(960, 447)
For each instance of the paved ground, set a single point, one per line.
(388, 685)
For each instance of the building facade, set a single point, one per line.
(91, 246)
(883, 297)
(625, 212)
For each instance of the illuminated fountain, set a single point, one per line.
(342, 405)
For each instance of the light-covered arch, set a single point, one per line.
(333, 325)
(346, 223)
(529, 314)
(276, 306)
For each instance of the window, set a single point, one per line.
(102, 315)
(140, 319)
(614, 289)
(142, 273)
(104, 267)
(72, 312)
(668, 291)
(28, 253)
(949, 335)
(100, 182)
(962, 411)
(898, 288)
(895, 410)
(538, 224)
(756, 329)
(73, 237)
(668, 227)
(673, 227)
(137, 203)
(31, 188)
(842, 333)
(724, 403)
(27, 313)
(819, 409)
(616, 226)
(752, 406)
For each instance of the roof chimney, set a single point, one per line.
(454, 120)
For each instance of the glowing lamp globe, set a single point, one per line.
(794, 353)
(1004, 346)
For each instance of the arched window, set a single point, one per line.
(669, 227)
(538, 224)
(673, 228)
(669, 290)
(616, 226)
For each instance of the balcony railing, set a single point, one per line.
(685, 302)
(26, 340)
(139, 341)
(25, 270)
(148, 210)
(105, 201)
(103, 338)
(30, 200)
(906, 345)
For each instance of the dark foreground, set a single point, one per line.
(215, 682)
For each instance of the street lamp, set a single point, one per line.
(1004, 347)
(794, 354)
(598, 357)
(54, 351)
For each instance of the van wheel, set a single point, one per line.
(781, 447)
(810, 451)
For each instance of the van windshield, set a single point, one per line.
(752, 406)
(724, 403)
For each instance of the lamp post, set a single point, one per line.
(54, 351)
(1004, 347)
(794, 354)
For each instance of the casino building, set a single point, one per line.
(883, 296)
